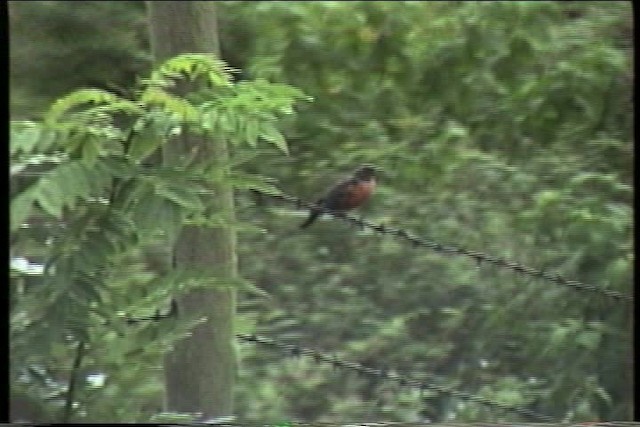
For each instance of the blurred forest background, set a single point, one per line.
(501, 127)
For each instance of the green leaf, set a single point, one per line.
(116, 166)
(194, 65)
(154, 214)
(589, 339)
(90, 151)
(50, 197)
(227, 121)
(120, 106)
(63, 185)
(94, 251)
(77, 98)
(26, 137)
(73, 141)
(219, 79)
(251, 132)
(144, 144)
(210, 120)
(546, 198)
(253, 182)
(604, 395)
(180, 106)
(245, 323)
(269, 132)
(181, 196)
(21, 206)
(88, 290)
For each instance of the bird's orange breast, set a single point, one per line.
(358, 193)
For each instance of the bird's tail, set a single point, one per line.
(312, 217)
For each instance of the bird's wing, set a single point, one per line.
(337, 196)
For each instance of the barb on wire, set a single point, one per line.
(384, 374)
(479, 257)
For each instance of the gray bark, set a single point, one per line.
(200, 370)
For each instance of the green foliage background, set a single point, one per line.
(504, 127)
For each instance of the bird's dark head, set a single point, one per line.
(365, 172)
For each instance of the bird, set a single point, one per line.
(347, 194)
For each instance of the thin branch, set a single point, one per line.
(73, 381)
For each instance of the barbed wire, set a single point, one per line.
(376, 373)
(387, 375)
(479, 257)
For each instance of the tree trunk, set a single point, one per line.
(200, 371)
